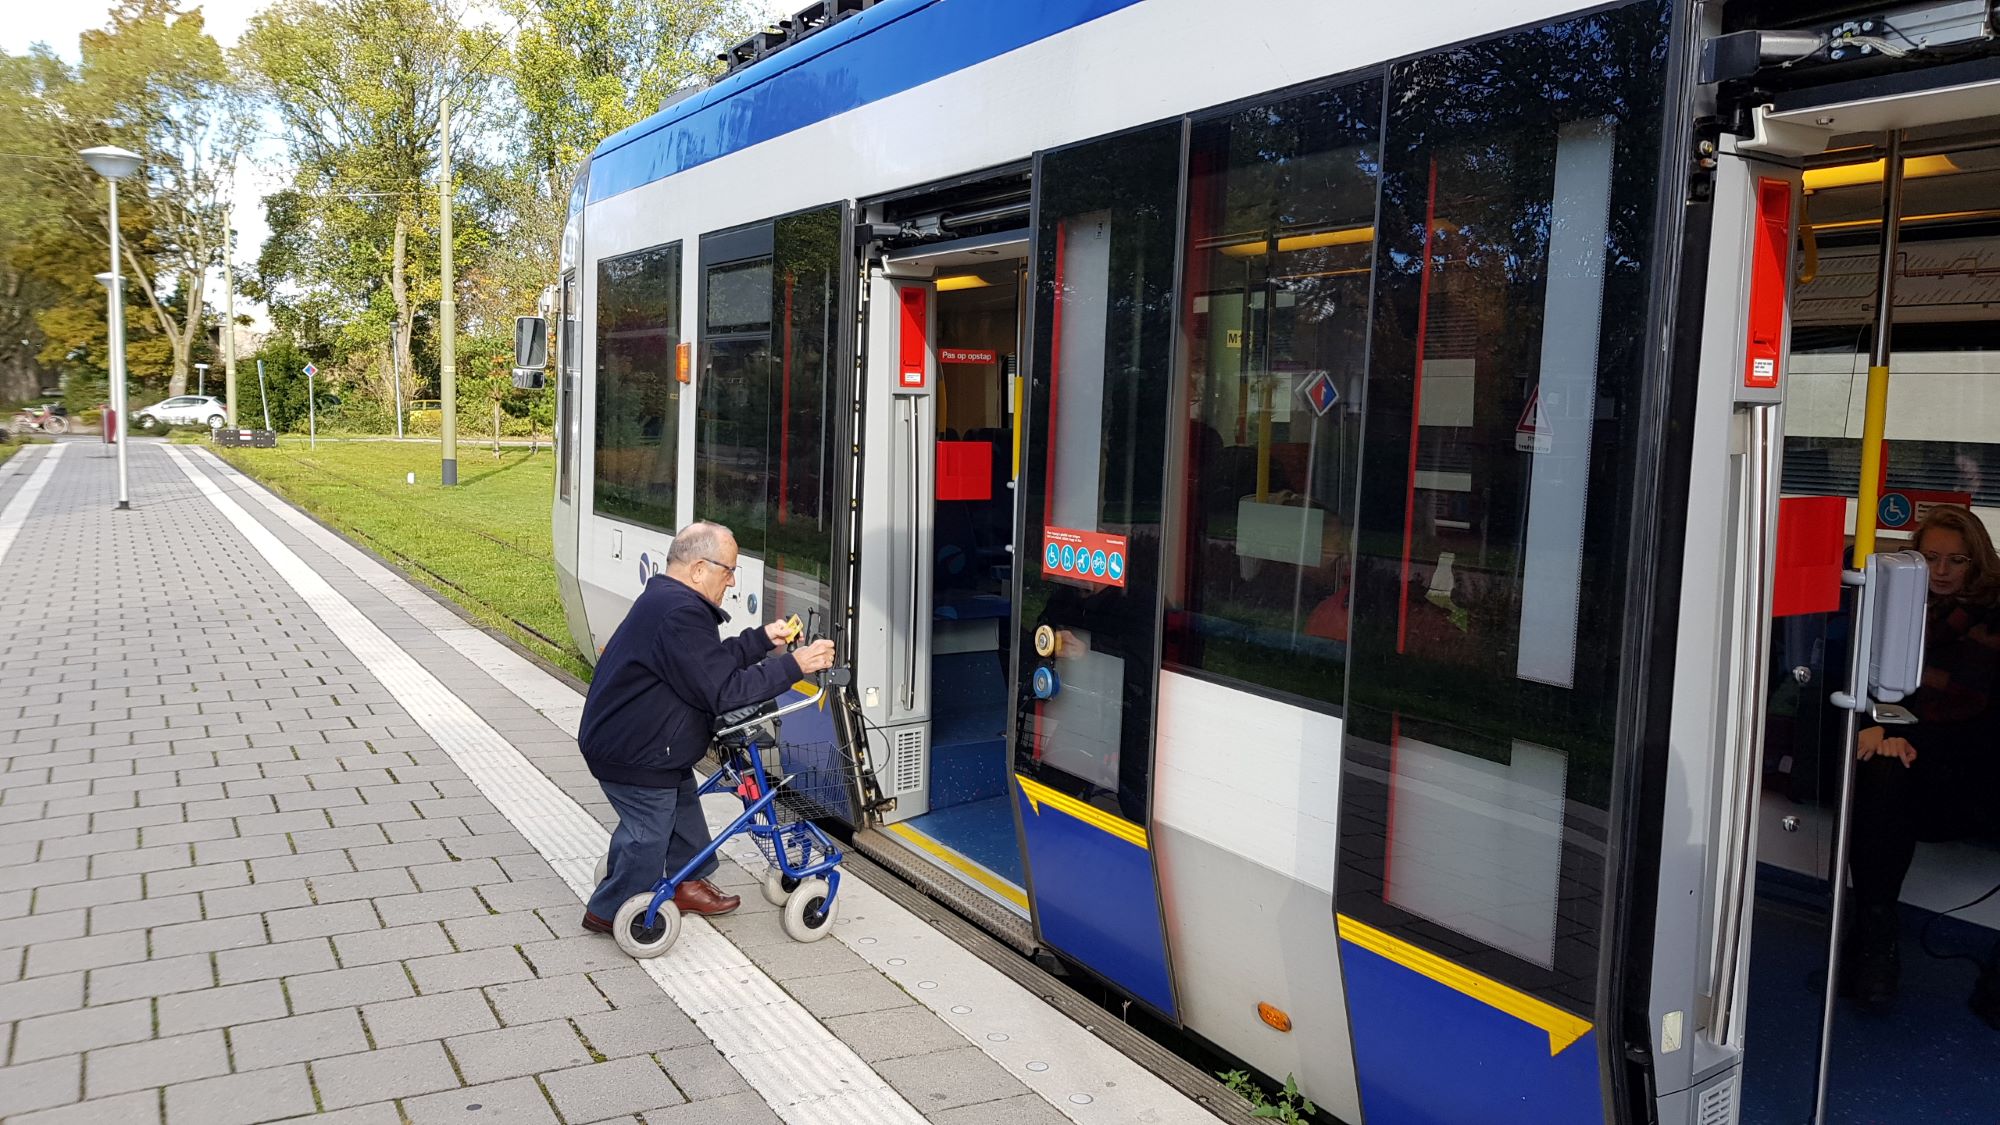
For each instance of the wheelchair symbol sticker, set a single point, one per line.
(1068, 557)
(1115, 565)
(1053, 555)
(1896, 510)
(1097, 563)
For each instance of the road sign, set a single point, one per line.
(1531, 433)
(1321, 393)
(311, 370)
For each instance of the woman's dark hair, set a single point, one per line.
(1982, 580)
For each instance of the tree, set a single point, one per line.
(358, 86)
(154, 81)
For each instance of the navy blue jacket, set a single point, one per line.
(662, 680)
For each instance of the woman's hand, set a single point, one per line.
(1873, 743)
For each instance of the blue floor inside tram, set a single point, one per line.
(981, 831)
(969, 814)
(1928, 1061)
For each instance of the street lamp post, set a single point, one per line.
(114, 164)
(201, 378)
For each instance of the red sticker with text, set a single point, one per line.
(1084, 556)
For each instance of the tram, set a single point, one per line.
(1339, 518)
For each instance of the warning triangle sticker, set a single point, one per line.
(1531, 433)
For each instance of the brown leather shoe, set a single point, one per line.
(595, 924)
(699, 896)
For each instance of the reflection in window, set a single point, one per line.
(1519, 188)
(565, 385)
(638, 394)
(1099, 395)
(1274, 340)
(764, 406)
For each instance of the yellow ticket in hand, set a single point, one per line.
(793, 627)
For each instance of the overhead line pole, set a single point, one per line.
(447, 308)
(229, 320)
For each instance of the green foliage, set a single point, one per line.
(284, 386)
(1290, 1106)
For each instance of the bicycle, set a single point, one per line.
(48, 419)
(803, 876)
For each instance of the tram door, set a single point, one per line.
(1914, 1016)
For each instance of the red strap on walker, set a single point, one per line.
(747, 789)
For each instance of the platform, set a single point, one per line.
(282, 835)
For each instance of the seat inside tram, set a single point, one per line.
(1926, 1053)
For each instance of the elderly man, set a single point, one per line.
(660, 683)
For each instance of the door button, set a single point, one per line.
(1045, 684)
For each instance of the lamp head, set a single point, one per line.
(112, 162)
(107, 279)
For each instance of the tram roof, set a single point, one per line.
(894, 46)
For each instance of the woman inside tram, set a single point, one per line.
(1938, 778)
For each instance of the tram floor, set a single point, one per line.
(1928, 1061)
(981, 831)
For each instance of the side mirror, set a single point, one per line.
(528, 379)
(531, 343)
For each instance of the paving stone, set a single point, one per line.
(894, 1034)
(37, 996)
(362, 884)
(241, 1099)
(530, 1001)
(90, 843)
(1026, 1109)
(268, 962)
(844, 994)
(510, 1053)
(346, 987)
(576, 955)
(220, 1007)
(429, 1017)
(156, 1062)
(138, 1108)
(375, 1113)
(256, 899)
(276, 868)
(392, 1072)
(528, 894)
(732, 1109)
(465, 873)
(86, 953)
(521, 927)
(297, 1039)
(442, 828)
(210, 936)
(63, 1033)
(159, 977)
(519, 1100)
(382, 855)
(397, 943)
(589, 1093)
(121, 916)
(17, 932)
(198, 832)
(142, 860)
(205, 878)
(321, 921)
(361, 837)
(454, 971)
(40, 1085)
(433, 906)
(948, 1079)
(639, 1031)
(629, 987)
(791, 960)
(247, 847)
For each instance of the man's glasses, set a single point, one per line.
(1933, 558)
(730, 569)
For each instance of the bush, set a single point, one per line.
(424, 423)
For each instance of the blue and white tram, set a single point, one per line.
(1290, 485)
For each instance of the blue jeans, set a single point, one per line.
(659, 831)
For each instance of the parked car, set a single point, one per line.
(184, 410)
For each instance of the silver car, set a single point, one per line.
(184, 410)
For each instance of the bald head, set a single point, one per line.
(703, 556)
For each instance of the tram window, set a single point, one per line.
(1507, 351)
(764, 406)
(566, 349)
(638, 394)
(1093, 482)
(1274, 339)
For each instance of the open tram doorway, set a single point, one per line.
(954, 309)
(1909, 1039)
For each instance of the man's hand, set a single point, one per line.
(815, 657)
(783, 632)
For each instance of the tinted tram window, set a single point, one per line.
(1093, 478)
(764, 405)
(1274, 340)
(565, 385)
(1508, 349)
(638, 395)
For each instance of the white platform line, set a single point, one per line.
(800, 1069)
(15, 516)
(1084, 1078)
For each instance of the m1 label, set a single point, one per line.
(1084, 556)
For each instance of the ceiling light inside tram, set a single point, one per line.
(1347, 236)
(961, 281)
(1871, 171)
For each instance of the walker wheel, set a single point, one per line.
(809, 911)
(778, 886)
(640, 940)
